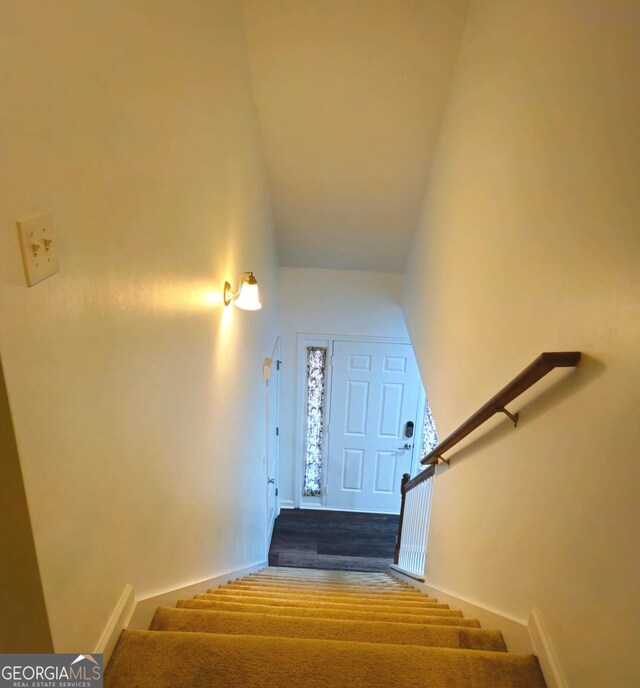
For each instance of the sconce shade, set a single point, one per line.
(248, 298)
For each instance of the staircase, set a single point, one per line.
(315, 628)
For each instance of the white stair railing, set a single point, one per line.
(411, 545)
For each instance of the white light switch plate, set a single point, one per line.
(38, 247)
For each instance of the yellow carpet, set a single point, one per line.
(336, 598)
(240, 623)
(317, 629)
(321, 604)
(325, 613)
(323, 588)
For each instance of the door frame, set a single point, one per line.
(272, 423)
(304, 340)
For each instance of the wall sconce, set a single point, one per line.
(247, 297)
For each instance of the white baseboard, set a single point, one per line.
(287, 504)
(117, 622)
(514, 631)
(530, 637)
(146, 608)
(270, 534)
(408, 574)
(543, 648)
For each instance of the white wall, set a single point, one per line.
(138, 403)
(334, 302)
(530, 242)
(350, 97)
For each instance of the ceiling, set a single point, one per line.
(350, 95)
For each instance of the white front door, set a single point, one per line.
(375, 392)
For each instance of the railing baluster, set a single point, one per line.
(414, 520)
(403, 482)
(414, 534)
(410, 533)
(423, 522)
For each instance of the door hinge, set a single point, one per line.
(278, 364)
(276, 491)
(277, 432)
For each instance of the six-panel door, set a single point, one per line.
(375, 391)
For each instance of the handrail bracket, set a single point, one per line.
(513, 416)
(441, 459)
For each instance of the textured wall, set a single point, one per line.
(138, 403)
(530, 242)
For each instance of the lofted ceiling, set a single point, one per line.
(350, 95)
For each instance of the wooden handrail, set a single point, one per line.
(417, 479)
(542, 365)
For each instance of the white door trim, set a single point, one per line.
(305, 339)
(272, 421)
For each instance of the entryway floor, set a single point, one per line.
(339, 540)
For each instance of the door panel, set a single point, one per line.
(375, 390)
(352, 467)
(356, 411)
(390, 409)
(386, 465)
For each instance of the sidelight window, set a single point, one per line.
(315, 398)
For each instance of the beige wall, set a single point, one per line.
(24, 626)
(530, 241)
(350, 96)
(138, 403)
(331, 302)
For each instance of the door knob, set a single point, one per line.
(405, 446)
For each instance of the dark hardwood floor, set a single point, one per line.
(340, 540)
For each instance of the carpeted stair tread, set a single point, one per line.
(318, 629)
(312, 597)
(303, 571)
(322, 581)
(321, 604)
(291, 572)
(154, 659)
(238, 623)
(329, 583)
(342, 576)
(321, 585)
(315, 612)
(323, 589)
(335, 576)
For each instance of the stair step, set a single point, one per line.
(321, 604)
(313, 597)
(303, 571)
(239, 623)
(145, 659)
(321, 587)
(323, 574)
(328, 592)
(328, 613)
(326, 581)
